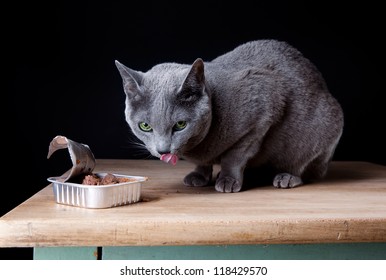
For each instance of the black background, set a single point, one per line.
(61, 79)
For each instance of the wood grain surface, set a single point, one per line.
(349, 205)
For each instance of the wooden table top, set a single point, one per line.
(348, 206)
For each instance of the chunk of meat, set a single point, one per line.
(108, 179)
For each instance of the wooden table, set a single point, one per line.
(343, 216)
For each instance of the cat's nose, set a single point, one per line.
(161, 152)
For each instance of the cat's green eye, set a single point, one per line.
(180, 125)
(145, 127)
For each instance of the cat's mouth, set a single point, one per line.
(169, 158)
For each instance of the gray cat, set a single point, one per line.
(260, 104)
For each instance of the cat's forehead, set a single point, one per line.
(166, 76)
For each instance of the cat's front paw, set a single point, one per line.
(286, 180)
(227, 184)
(196, 179)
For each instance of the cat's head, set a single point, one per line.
(168, 107)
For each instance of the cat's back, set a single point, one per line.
(258, 53)
(268, 55)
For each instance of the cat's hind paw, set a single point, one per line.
(227, 184)
(286, 180)
(195, 179)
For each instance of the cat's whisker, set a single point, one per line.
(137, 148)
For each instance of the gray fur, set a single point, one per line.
(263, 103)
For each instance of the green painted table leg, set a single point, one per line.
(349, 251)
(66, 253)
(339, 251)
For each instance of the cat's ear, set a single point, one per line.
(194, 84)
(131, 78)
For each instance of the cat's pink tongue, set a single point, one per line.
(169, 158)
